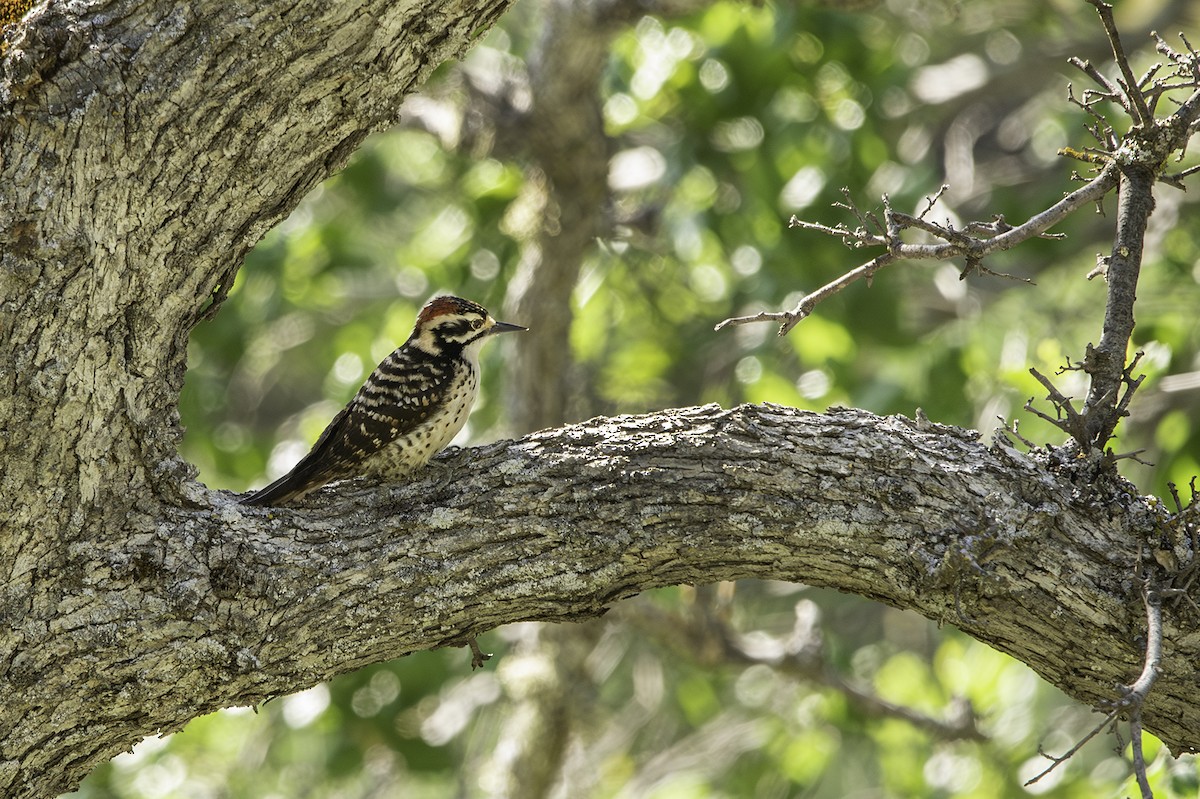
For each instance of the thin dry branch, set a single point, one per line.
(1132, 699)
(1140, 158)
(1110, 92)
(956, 243)
(1129, 84)
(1187, 66)
(1013, 429)
(1137, 691)
(1130, 383)
(1058, 760)
(1134, 163)
(1176, 179)
(1067, 418)
(1102, 131)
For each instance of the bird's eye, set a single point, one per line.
(476, 324)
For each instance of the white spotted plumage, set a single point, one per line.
(411, 407)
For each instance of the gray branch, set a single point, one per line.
(182, 610)
(958, 245)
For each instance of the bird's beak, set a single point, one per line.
(504, 327)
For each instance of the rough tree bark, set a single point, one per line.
(144, 147)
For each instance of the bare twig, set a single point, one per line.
(1132, 455)
(1110, 92)
(971, 247)
(1174, 489)
(1187, 67)
(1067, 419)
(789, 319)
(867, 221)
(1176, 180)
(1139, 757)
(1014, 430)
(944, 232)
(859, 237)
(1136, 692)
(1077, 424)
(932, 200)
(1136, 101)
(1058, 760)
(1131, 385)
(1133, 697)
(1144, 81)
(1194, 527)
(1101, 267)
(1000, 225)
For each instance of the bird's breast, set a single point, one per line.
(447, 414)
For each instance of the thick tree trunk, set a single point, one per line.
(144, 147)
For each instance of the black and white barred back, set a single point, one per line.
(409, 409)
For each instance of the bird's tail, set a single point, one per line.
(300, 481)
(276, 493)
(321, 465)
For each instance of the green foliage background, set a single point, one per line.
(723, 124)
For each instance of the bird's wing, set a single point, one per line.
(397, 397)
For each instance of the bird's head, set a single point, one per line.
(447, 324)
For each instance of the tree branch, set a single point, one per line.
(185, 610)
(958, 244)
(1133, 697)
(144, 148)
(1135, 101)
(1133, 164)
(1136, 692)
(1141, 158)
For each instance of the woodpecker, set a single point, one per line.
(411, 406)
